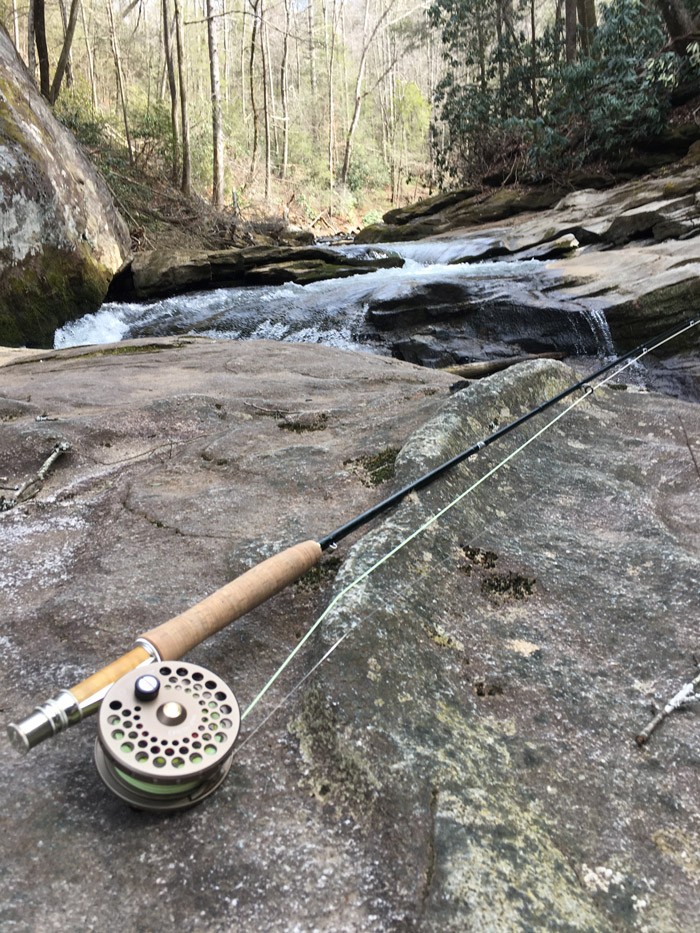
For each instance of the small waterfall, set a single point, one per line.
(421, 252)
(598, 323)
(330, 312)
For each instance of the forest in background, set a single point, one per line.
(332, 110)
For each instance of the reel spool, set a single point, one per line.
(165, 736)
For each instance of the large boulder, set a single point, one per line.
(61, 238)
(465, 759)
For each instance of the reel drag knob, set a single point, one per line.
(165, 738)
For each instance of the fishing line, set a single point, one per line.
(372, 614)
(587, 391)
(170, 767)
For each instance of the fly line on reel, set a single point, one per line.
(165, 737)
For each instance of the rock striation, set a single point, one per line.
(465, 758)
(61, 239)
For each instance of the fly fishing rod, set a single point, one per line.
(166, 731)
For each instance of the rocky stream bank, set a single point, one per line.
(466, 757)
(591, 271)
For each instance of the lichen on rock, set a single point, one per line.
(61, 238)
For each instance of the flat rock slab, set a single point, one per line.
(163, 272)
(465, 758)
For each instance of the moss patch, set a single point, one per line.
(47, 291)
(509, 585)
(375, 469)
(15, 108)
(479, 557)
(307, 421)
(130, 350)
(335, 769)
(322, 573)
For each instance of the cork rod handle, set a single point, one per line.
(175, 638)
(171, 640)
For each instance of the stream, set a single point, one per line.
(338, 312)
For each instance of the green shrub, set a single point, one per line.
(75, 111)
(367, 169)
(372, 217)
(526, 112)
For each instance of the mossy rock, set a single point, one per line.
(693, 154)
(463, 208)
(302, 272)
(61, 238)
(645, 316)
(428, 206)
(45, 292)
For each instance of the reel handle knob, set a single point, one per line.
(147, 687)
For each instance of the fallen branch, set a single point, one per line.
(685, 695)
(272, 412)
(323, 217)
(488, 367)
(31, 487)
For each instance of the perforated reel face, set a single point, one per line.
(166, 735)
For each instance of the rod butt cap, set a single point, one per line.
(44, 722)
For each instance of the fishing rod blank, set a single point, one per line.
(427, 478)
(177, 636)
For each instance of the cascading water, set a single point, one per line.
(335, 312)
(600, 328)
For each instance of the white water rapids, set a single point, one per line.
(331, 312)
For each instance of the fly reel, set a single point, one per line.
(165, 736)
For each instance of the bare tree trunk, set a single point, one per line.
(186, 182)
(266, 104)
(297, 58)
(481, 43)
(253, 101)
(501, 70)
(227, 59)
(533, 61)
(121, 88)
(267, 75)
(312, 69)
(64, 58)
(367, 41)
(330, 22)
(570, 27)
(345, 171)
(42, 48)
(90, 59)
(242, 67)
(588, 23)
(284, 89)
(172, 88)
(678, 18)
(31, 41)
(344, 68)
(217, 131)
(69, 63)
(15, 27)
(395, 162)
